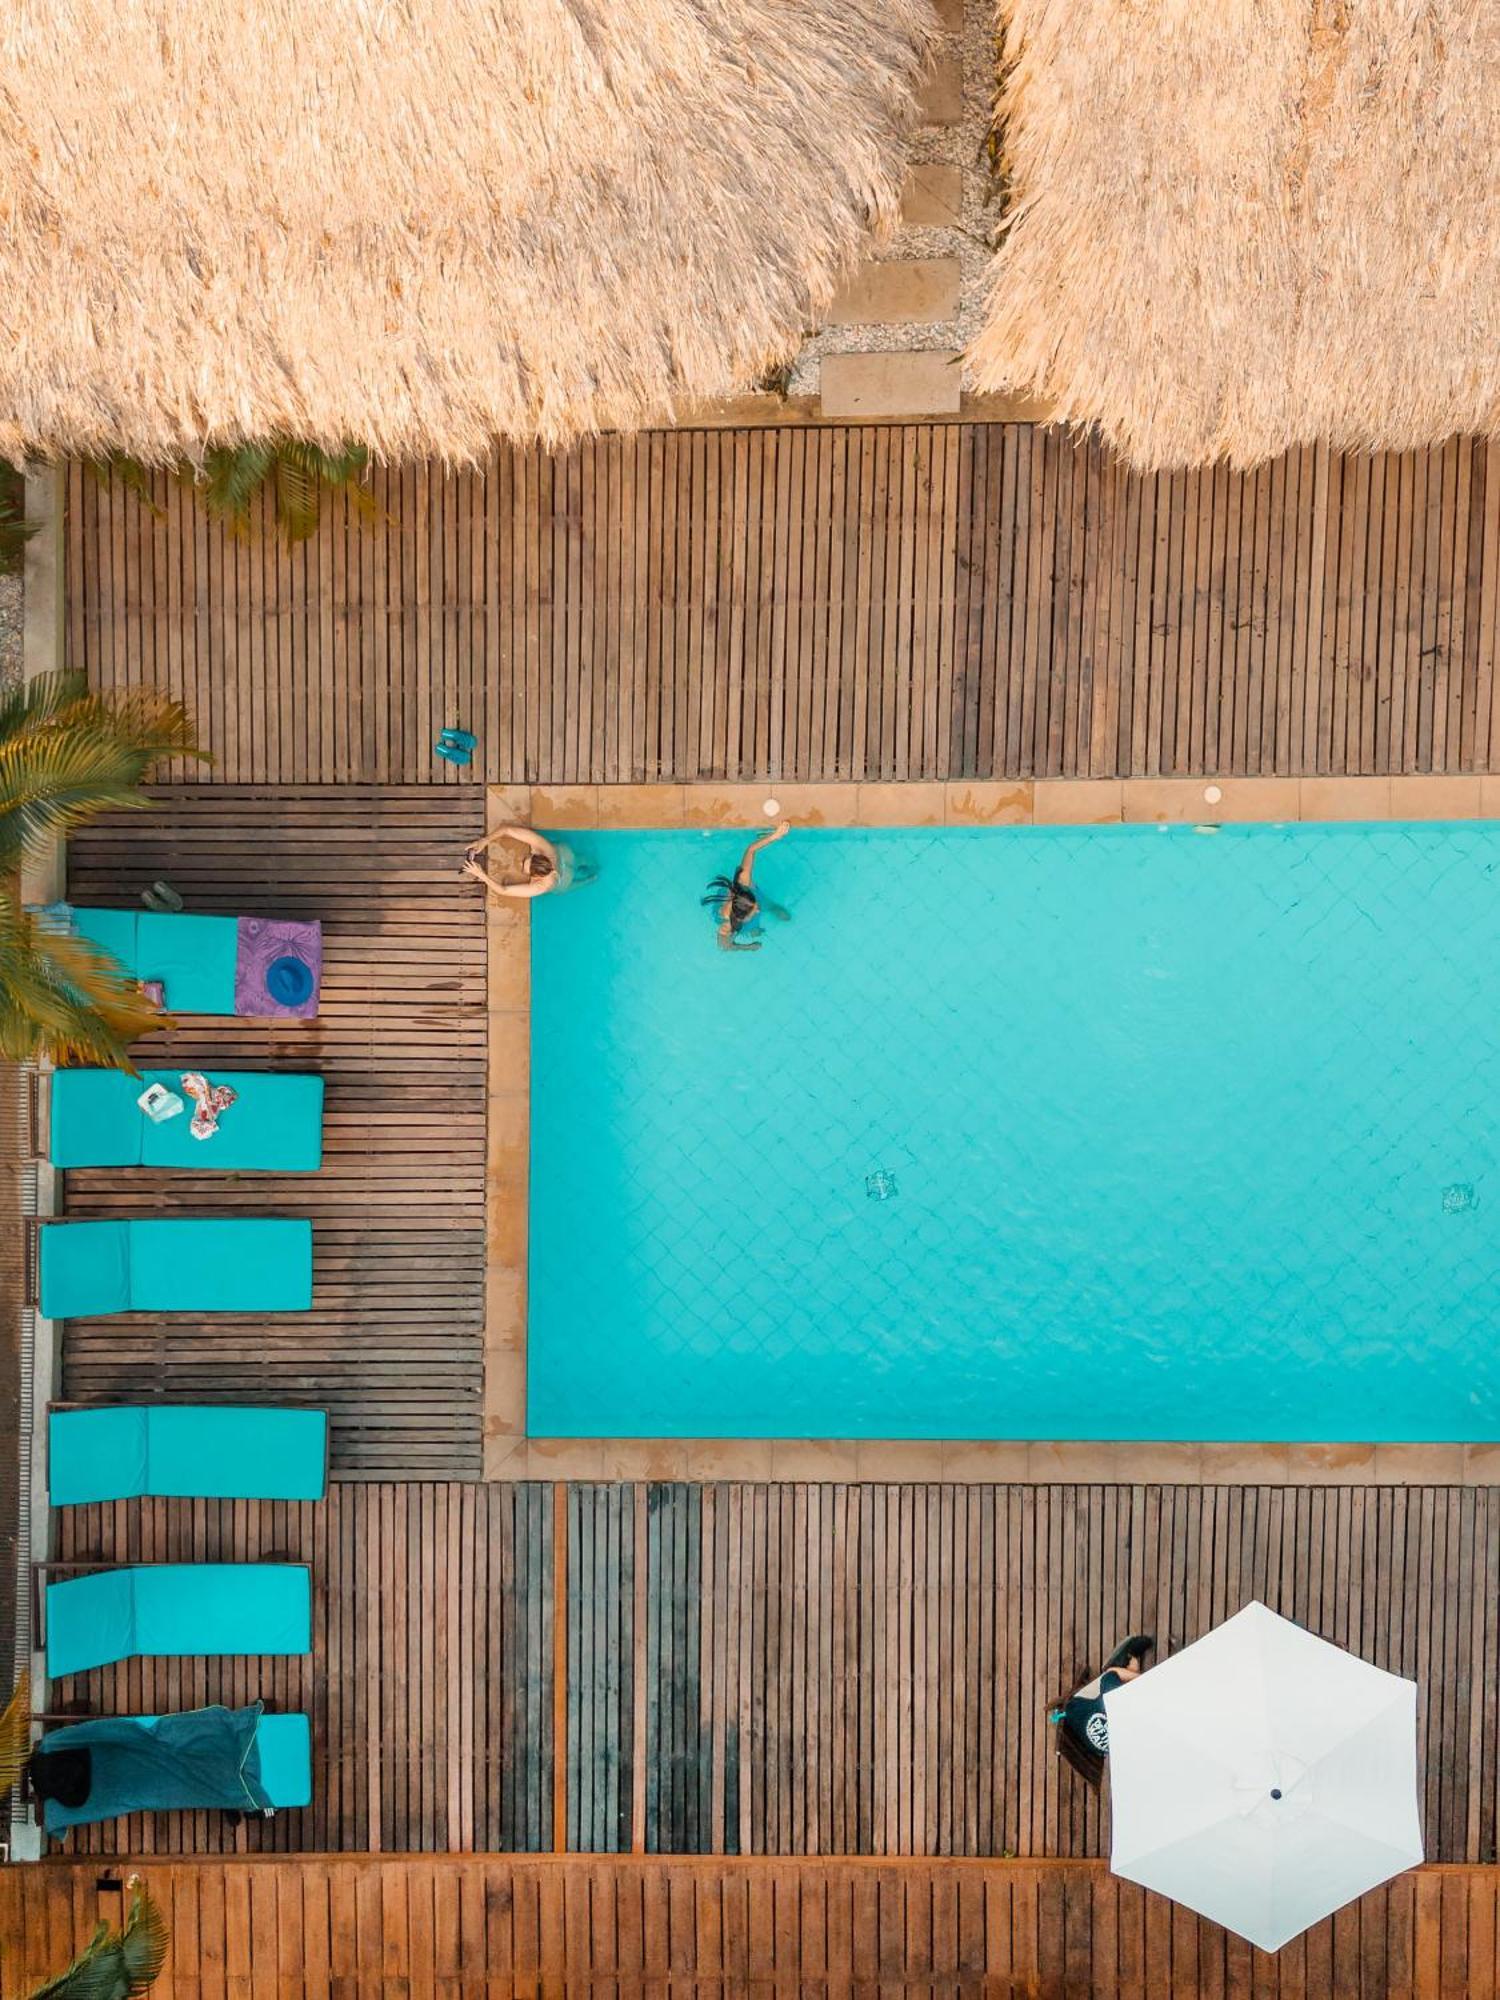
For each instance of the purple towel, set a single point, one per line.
(278, 969)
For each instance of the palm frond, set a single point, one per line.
(28, 704)
(15, 1735)
(78, 758)
(297, 492)
(231, 478)
(294, 475)
(63, 999)
(128, 473)
(116, 1965)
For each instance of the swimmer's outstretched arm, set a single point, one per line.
(747, 860)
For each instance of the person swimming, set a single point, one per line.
(738, 903)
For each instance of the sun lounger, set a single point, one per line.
(275, 1124)
(191, 1450)
(225, 1759)
(198, 1609)
(197, 1265)
(264, 967)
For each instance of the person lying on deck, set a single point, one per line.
(737, 902)
(544, 866)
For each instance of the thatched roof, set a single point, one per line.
(423, 223)
(1247, 224)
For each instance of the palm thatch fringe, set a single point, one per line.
(420, 227)
(1243, 225)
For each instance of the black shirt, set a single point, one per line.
(1084, 1714)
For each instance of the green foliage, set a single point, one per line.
(15, 530)
(65, 756)
(232, 480)
(115, 1965)
(295, 475)
(62, 999)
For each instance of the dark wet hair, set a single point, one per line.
(742, 899)
(540, 864)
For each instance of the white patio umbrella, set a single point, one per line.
(1263, 1777)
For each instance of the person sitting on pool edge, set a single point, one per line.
(545, 868)
(736, 900)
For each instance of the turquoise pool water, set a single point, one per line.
(1131, 1132)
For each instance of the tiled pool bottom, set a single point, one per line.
(1036, 1133)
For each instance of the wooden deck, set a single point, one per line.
(393, 1345)
(787, 1668)
(450, 1929)
(923, 601)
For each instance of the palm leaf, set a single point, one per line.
(63, 999)
(231, 478)
(15, 1735)
(63, 761)
(295, 474)
(28, 704)
(116, 1965)
(298, 496)
(128, 473)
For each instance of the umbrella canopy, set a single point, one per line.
(1263, 1777)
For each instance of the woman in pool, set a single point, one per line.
(541, 870)
(736, 901)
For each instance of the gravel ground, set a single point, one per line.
(970, 240)
(11, 595)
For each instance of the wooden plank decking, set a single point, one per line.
(393, 1345)
(788, 1668)
(911, 601)
(449, 1929)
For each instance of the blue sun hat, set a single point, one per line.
(289, 980)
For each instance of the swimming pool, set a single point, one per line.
(1036, 1133)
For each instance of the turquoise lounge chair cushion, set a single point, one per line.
(193, 957)
(283, 1744)
(207, 1759)
(113, 932)
(197, 1265)
(193, 1451)
(198, 1609)
(85, 1268)
(275, 1124)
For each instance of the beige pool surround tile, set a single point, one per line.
(1345, 798)
(509, 1454)
(507, 1158)
(730, 805)
(639, 805)
(1077, 801)
(1001, 802)
(971, 803)
(1436, 798)
(562, 806)
(902, 804)
(1070, 1462)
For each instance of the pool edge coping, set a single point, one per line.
(510, 1454)
(1004, 802)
